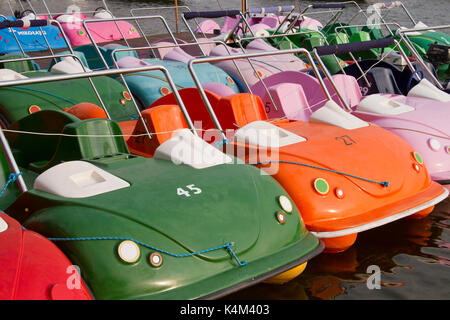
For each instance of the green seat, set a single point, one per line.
(18, 66)
(30, 148)
(91, 139)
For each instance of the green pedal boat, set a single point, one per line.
(148, 228)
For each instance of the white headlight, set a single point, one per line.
(129, 251)
(434, 144)
(285, 203)
(3, 225)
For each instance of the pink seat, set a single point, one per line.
(271, 21)
(290, 100)
(349, 88)
(229, 24)
(315, 96)
(218, 88)
(207, 27)
(131, 62)
(177, 54)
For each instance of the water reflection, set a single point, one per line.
(412, 255)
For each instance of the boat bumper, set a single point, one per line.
(354, 225)
(442, 177)
(240, 277)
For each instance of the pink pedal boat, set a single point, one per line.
(422, 122)
(101, 31)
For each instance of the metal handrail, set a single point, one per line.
(408, 44)
(63, 77)
(113, 54)
(403, 34)
(85, 22)
(192, 62)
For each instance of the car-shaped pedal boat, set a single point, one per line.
(419, 121)
(334, 201)
(18, 36)
(149, 86)
(298, 95)
(98, 203)
(97, 21)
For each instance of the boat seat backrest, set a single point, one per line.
(348, 87)
(162, 121)
(91, 139)
(18, 66)
(79, 54)
(310, 86)
(290, 100)
(31, 147)
(240, 109)
(95, 62)
(194, 105)
(178, 54)
(384, 80)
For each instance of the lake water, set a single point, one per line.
(413, 255)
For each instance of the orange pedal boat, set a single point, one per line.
(342, 180)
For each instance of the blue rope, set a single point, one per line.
(45, 92)
(12, 177)
(219, 144)
(383, 183)
(228, 246)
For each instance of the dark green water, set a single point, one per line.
(413, 255)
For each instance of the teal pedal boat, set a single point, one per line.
(149, 228)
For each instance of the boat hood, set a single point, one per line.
(195, 209)
(420, 119)
(363, 156)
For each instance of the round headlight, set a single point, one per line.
(285, 204)
(129, 251)
(434, 144)
(3, 225)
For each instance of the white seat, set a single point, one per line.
(69, 65)
(8, 74)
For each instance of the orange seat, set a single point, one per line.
(86, 110)
(163, 120)
(127, 128)
(239, 110)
